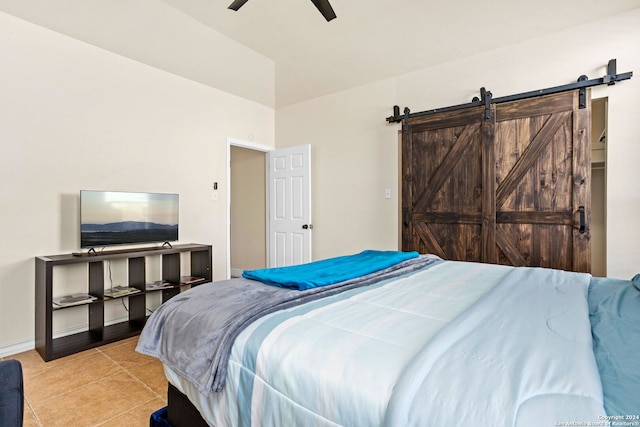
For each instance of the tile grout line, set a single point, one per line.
(74, 390)
(32, 411)
(119, 367)
(145, 385)
(29, 403)
(137, 380)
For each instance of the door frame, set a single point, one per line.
(235, 142)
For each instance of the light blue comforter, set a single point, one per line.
(520, 356)
(447, 345)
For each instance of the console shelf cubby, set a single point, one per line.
(98, 333)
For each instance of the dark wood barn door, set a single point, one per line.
(442, 185)
(507, 190)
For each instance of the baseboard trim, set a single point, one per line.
(19, 347)
(236, 272)
(22, 346)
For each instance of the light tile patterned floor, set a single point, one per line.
(109, 386)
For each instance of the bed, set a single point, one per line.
(417, 341)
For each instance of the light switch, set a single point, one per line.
(387, 193)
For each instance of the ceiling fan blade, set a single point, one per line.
(237, 4)
(325, 9)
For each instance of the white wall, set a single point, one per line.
(72, 117)
(355, 153)
(353, 160)
(159, 34)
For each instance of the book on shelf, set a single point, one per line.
(120, 291)
(158, 284)
(187, 280)
(73, 299)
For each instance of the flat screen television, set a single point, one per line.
(117, 218)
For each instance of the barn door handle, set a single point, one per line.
(583, 225)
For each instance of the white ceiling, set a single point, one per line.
(370, 40)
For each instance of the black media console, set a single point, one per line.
(97, 333)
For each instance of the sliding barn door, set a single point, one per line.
(509, 190)
(442, 185)
(543, 175)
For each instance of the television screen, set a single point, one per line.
(117, 218)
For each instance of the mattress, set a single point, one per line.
(453, 343)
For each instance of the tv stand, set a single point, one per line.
(98, 334)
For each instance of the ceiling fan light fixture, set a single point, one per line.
(325, 9)
(237, 4)
(322, 5)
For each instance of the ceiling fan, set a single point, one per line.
(323, 6)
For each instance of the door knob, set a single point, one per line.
(307, 226)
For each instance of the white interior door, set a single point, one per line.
(289, 206)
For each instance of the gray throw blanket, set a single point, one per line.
(193, 332)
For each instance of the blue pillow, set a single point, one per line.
(614, 312)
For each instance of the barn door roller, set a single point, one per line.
(486, 98)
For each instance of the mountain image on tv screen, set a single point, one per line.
(115, 218)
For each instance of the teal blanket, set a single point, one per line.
(328, 271)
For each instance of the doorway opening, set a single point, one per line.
(598, 229)
(246, 206)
